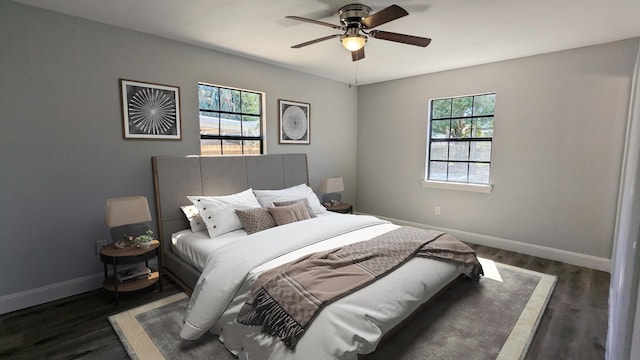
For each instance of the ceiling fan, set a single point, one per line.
(357, 23)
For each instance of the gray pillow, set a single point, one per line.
(256, 219)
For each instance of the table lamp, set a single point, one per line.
(331, 188)
(127, 216)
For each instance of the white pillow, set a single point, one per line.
(219, 216)
(195, 220)
(242, 200)
(267, 197)
(218, 212)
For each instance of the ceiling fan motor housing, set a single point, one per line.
(352, 14)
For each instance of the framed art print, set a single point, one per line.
(150, 111)
(294, 118)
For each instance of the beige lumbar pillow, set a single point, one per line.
(290, 213)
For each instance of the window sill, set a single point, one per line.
(481, 188)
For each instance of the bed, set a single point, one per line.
(220, 273)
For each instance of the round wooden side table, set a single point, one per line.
(342, 208)
(111, 255)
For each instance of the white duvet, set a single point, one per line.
(351, 325)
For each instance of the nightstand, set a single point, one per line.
(126, 256)
(342, 208)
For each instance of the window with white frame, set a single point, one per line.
(231, 120)
(460, 138)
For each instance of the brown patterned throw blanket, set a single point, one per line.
(287, 298)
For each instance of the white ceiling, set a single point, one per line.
(464, 32)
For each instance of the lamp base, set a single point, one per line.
(326, 198)
(118, 232)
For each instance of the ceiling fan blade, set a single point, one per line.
(384, 16)
(401, 38)
(316, 41)
(317, 22)
(357, 55)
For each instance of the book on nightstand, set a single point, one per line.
(138, 272)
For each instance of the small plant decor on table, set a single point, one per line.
(144, 241)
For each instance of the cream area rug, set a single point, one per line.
(495, 319)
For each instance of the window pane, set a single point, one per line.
(232, 147)
(251, 125)
(250, 103)
(209, 123)
(484, 104)
(460, 138)
(439, 150)
(440, 129)
(459, 150)
(230, 120)
(229, 100)
(437, 170)
(483, 127)
(251, 147)
(210, 147)
(441, 108)
(230, 124)
(457, 172)
(460, 128)
(479, 173)
(462, 106)
(480, 151)
(208, 97)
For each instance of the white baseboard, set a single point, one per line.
(569, 257)
(41, 295)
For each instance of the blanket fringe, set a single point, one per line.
(275, 321)
(476, 272)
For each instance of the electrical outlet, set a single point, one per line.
(100, 244)
(437, 210)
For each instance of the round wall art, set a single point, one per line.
(294, 122)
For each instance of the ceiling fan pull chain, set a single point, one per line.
(356, 74)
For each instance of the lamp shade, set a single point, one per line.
(127, 210)
(331, 185)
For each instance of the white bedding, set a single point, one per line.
(351, 325)
(195, 247)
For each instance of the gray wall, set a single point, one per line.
(61, 148)
(560, 121)
(559, 131)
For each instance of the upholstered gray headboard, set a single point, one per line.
(175, 177)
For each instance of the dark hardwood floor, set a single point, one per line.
(574, 325)
(76, 327)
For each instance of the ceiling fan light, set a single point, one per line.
(353, 42)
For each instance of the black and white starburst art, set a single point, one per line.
(151, 111)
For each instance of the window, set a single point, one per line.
(460, 137)
(230, 120)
